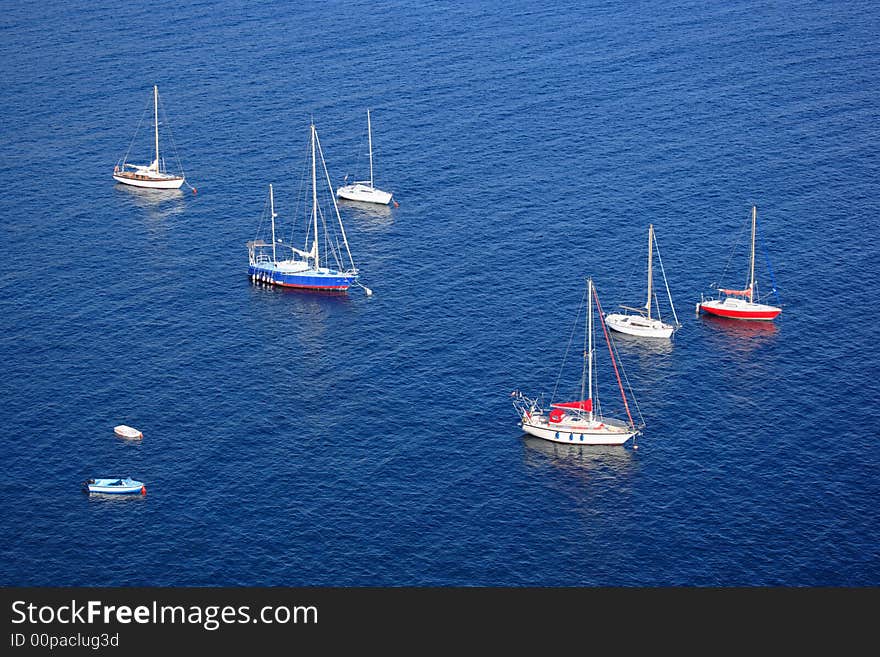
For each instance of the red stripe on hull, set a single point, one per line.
(740, 314)
(312, 287)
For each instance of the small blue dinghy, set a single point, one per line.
(115, 486)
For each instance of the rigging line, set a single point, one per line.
(358, 171)
(626, 379)
(568, 348)
(136, 131)
(335, 205)
(301, 203)
(739, 239)
(266, 211)
(329, 251)
(611, 353)
(167, 123)
(597, 396)
(584, 366)
(769, 268)
(305, 198)
(665, 282)
(323, 226)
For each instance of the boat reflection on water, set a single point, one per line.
(740, 326)
(159, 203)
(105, 498)
(741, 336)
(585, 461)
(310, 310)
(302, 299)
(372, 216)
(638, 346)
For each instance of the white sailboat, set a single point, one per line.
(324, 265)
(580, 422)
(646, 323)
(153, 175)
(364, 190)
(742, 303)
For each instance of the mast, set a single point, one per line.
(272, 206)
(314, 199)
(590, 343)
(650, 266)
(370, 141)
(156, 121)
(320, 152)
(613, 360)
(752, 257)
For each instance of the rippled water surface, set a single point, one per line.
(295, 439)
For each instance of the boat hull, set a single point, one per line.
(638, 326)
(116, 486)
(364, 193)
(739, 309)
(603, 434)
(310, 279)
(149, 182)
(124, 431)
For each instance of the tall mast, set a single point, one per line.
(370, 141)
(650, 266)
(590, 342)
(314, 198)
(156, 121)
(272, 205)
(752, 257)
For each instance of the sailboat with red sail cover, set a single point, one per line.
(581, 422)
(742, 303)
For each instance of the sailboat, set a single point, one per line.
(643, 324)
(319, 265)
(580, 422)
(741, 303)
(363, 190)
(153, 175)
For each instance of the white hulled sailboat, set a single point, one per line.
(153, 175)
(646, 323)
(364, 190)
(580, 422)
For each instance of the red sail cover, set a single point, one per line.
(585, 405)
(739, 293)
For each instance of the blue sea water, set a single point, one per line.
(295, 439)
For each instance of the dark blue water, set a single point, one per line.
(294, 439)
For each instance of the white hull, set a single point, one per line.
(363, 193)
(638, 326)
(115, 490)
(579, 422)
(597, 433)
(124, 431)
(154, 183)
(115, 486)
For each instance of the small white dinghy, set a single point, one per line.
(115, 486)
(125, 431)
